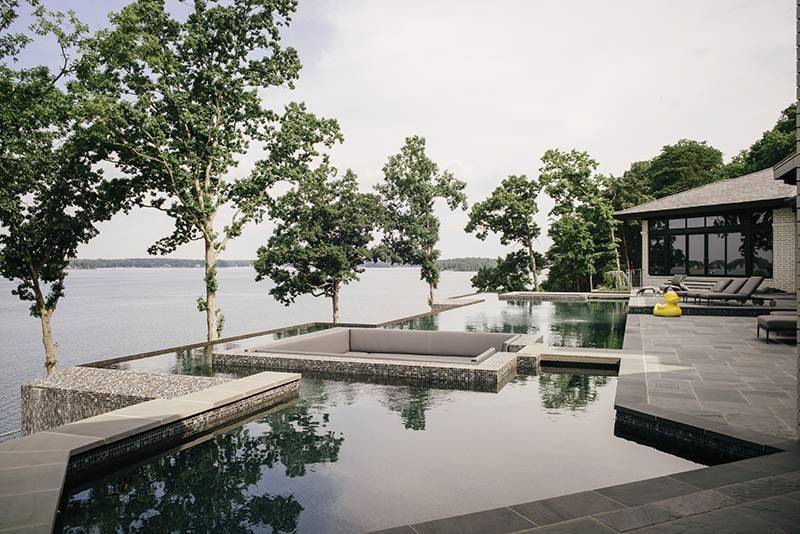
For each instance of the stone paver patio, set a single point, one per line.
(715, 368)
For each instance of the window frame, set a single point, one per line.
(747, 228)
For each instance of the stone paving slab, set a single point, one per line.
(715, 368)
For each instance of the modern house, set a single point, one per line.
(737, 227)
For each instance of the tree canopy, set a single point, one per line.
(322, 240)
(52, 193)
(411, 184)
(509, 212)
(582, 224)
(183, 100)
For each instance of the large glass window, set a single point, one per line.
(716, 254)
(657, 253)
(697, 254)
(718, 244)
(677, 247)
(735, 254)
(762, 252)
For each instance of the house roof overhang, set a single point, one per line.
(786, 169)
(705, 210)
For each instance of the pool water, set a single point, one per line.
(351, 456)
(574, 324)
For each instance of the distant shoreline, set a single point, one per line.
(451, 264)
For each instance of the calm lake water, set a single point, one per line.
(113, 312)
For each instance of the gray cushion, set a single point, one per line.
(333, 341)
(425, 342)
(777, 322)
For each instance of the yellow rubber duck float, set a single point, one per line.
(670, 307)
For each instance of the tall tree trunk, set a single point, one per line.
(47, 339)
(625, 248)
(335, 302)
(533, 266)
(212, 311)
(616, 249)
(430, 294)
(45, 315)
(591, 282)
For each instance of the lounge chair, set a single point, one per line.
(718, 287)
(777, 322)
(740, 294)
(676, 284)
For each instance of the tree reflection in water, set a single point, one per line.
(412, 403)
(569, 391)
(212, 486)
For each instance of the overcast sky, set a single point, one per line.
(492, 85)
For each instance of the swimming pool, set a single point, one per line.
(577, 324)
(355, 456)
(351, 456)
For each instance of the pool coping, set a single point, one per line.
(33, 469)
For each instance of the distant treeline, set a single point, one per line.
(452, 264)
(148, 263)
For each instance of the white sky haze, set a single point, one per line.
(492, 85)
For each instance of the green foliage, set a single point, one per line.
(509, 212)
(465, 264)
(582, 223)
(511, 273)
(572, 257)
(685, 165)
(182, 101)
(52, 193)
(773, 146)
(322, 239)
(411, 184)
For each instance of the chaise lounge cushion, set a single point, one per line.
(745, 291)
(718, 287)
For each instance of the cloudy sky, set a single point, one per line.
(492, 85)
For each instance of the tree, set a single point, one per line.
(584, 213)
(182, 101)
(322, 240)
(572, 257)
(411, 185)
(774, 145)
(628, 190)
(685, 165)
(509, 211)
(511, 273)
(51, 192)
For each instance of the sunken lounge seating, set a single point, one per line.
(387, 344)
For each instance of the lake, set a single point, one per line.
(113, 312)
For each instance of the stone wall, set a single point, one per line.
(76, 393)
(783, 254)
